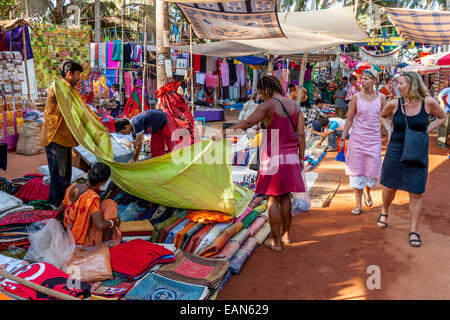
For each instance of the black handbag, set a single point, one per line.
(415, 147)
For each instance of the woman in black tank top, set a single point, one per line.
(395, 174)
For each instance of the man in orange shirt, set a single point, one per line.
(57, 138)
(388, 89)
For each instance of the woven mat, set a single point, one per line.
(323, 190)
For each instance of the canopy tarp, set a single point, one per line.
(305, 31)
(194, 177)
(430, 27)
(12, 24)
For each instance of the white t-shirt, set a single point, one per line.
(341, 123)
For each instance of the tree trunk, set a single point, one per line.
(162, 41)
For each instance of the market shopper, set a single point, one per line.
(151, 121)
(56, 137)
(339, 100)
(353, 89)
(363, 159)
(388, 89)
(444, 101)
(415, 106)
(89, 220)
(280, 173)
(332, 129)
(304, 102)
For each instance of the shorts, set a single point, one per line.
(361, 181)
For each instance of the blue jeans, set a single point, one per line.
(332, 140)
(60, 168)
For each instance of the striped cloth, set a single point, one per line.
(430, 27)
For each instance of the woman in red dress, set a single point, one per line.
(280, 171)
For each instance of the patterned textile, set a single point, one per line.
(190, 233)
(196, 270)
(314, 115)
(177, 109)
(251, 19)
(237, 261)
(134, 105)
(430, 27)
(157, 287)
(52, 45)
(241, 236)
(262, 233)
(256, 225)
(229, 250)
(165, 180)
(197, 239)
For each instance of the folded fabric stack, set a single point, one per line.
(192, 269)
(13, 227)
(10, 204)
(136, 229)
(113, 289)
(158, 287)
(134, 258)
(237, 261)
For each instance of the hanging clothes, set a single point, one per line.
(4, 41)
(203, 64)
(240, 74)
(117, 50)
(225, 73)
(197, 61)
(232, 70)
(17, 41)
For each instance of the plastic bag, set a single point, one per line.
(300, 200)
(130, 213)
(90, 263)
(49, 243)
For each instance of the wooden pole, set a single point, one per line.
(302, 76)
(162, 41)
(25, 55)
(37, 287)
(144, 76)
(191, 65)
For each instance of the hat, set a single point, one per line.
(397, 76)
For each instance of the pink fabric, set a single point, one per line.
(364, 148)
(256, 225)
(280, 171)
(111, 63)
(211, 81)
(240, 73)
(228, 251)
(225, 70)
(243, 215)
(128, 84)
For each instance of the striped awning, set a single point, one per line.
(430, 27)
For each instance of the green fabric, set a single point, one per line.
(248, 220)
(157, 229)
(41, 205)
(187, 178)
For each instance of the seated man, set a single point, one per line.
(332, 128)
(89, 221)
(151, 121)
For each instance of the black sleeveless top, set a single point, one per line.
(419, 122)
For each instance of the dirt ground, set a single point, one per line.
(332, 250)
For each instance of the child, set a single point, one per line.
(116, 97)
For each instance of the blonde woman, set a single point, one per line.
(363, 160)
(417, 104)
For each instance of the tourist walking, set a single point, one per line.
(363, 159)
(405, 165)
(280, 171)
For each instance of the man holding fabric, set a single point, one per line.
(151, 121)
(57, 138)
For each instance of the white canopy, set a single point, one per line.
(305, 31)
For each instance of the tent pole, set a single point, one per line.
(302, 76)
(144, 76)
(25, 56)
(191, 65)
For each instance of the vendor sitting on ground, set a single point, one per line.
(200, 97)
(151, 121)
(332, 128)
(209, 96)
(89, 221)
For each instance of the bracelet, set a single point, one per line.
(112, 223)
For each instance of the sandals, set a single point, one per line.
(367, 202)
(384, 224)
(417, 241)
(270, 243)
(356, 211)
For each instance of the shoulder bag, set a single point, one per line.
(415, 147)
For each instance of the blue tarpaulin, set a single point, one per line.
(254, 61)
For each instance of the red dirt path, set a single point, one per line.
(331, 249)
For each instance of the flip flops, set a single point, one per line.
(356, 211)
(270, 243)
(417, 241)
(367, 202)
(384, 224)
